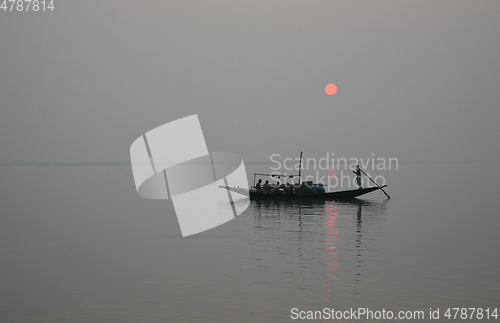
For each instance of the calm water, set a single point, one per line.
(77, 244)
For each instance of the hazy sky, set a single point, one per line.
(417, 80)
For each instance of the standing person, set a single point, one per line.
(358, 176)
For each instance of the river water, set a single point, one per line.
(77, 244)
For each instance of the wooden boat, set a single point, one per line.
(340, 195)
(284, 194)
(306, 190)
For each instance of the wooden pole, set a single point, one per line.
(300, 166)
(388, 197)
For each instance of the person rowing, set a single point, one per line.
(358, 176)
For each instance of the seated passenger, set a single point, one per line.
(258, 186)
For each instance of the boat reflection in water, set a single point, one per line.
(324, 245)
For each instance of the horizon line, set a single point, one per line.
(39, 163)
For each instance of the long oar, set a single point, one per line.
(388, 197)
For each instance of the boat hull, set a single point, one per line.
(340, 195)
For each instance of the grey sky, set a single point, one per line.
(416, 80)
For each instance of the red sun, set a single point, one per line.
(331, 89)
